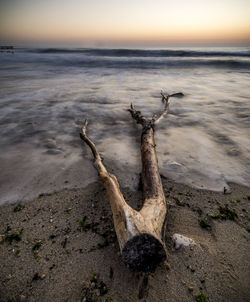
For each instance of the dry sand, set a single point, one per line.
(62, 247)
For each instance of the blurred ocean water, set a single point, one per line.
(46, 94)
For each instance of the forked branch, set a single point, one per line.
(150, 122)
(139, 232)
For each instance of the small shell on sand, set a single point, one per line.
(180, 240)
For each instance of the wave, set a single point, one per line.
(141, 63)
(130, 58)
(143, 52)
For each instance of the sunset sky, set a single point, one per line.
(152, 22)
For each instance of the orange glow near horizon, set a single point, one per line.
(132, 21)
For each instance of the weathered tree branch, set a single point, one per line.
(139, 232)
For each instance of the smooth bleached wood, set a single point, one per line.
(139, 233)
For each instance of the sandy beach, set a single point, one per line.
(62, 247)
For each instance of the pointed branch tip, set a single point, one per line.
(177, 95)
(86, 123)
(84, 128)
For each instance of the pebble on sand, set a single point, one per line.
(180, 240)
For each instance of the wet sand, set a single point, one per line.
(62, 247)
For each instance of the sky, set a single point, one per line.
(134, 22)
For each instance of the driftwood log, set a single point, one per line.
(140, 233)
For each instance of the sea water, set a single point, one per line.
(46, 94)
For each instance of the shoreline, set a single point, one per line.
(62, 247)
